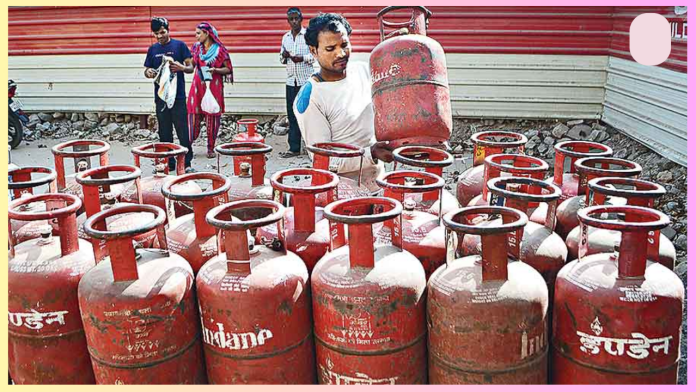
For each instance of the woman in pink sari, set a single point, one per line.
(212, 63)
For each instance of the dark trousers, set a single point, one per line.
(167, 120)
(294, 135)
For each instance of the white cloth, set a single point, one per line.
(341, 112)
(297, 73)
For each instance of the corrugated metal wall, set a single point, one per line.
(481, 85)
(521, 63)
(649, 104)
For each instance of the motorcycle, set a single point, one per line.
(16, 115)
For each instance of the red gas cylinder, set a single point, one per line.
(566, 154)
(190, 236)
(641, 193)
(250, 136)
(588, 169)
(540, 246)
(410, 89)
(152, 186)
(617, 316)
(250, 182)
(368, 301)
(255, 305)
(470, 183)
(139, 308)
(422, 233)
(505, 165)
(96, 186)
(46, 338)
(80, 152)
(433, 160)
(325, 158)
(307, 232)
(487, 312)
(22, 184)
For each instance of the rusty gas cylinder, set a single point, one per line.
(617, 316)
(250, 136)
(588, 169)
(487, 312)
(80, 152)
(46, 338)
(470, 183)
(642, 193)
(327, 156)
(433, 160)
(368, 301)
(139, 308)
(306, 230)
(21, 184)
(410, 89)
(506, 165)
(151, 186)
(96, 187)
(566, 154)
(255, 305)
(422, 233)
(540, 246)
(250, 181)
(190, 236)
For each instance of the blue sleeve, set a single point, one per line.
(149, 59)
(185, 51)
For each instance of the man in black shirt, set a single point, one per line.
(175, 117)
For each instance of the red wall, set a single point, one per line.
(524, 30)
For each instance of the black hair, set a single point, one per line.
(157, 23)
(293, 10)
(325, 22)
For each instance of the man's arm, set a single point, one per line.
(284, 54)
(150, 72)
(186, 67)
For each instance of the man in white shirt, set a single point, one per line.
(298, 60)
(336, 103)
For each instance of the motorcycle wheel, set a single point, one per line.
(15, 132)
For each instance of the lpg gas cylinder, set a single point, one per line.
(566, 154)
(307, 232)
(588, 169)
(422, 233)
(433, 160)
(46, 338)
(540, 246)
(250, 181)
(617, 316)
(368, 301)
(410, 89)
(255, 305)
(327, 156)
(81, 153)
(247, 134)
(139, 309)
(21, 184)
(152, 186)
(487, 312)
(636, 193)
(96, 187)
(505, 165)
(470, 183)
(190, 236)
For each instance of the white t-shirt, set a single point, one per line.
(341, 112)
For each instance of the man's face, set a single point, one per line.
(162, 35)
(333, 51)
(295, 21)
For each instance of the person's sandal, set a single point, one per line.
(211, 155)
(190, 170)
(289, 154)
